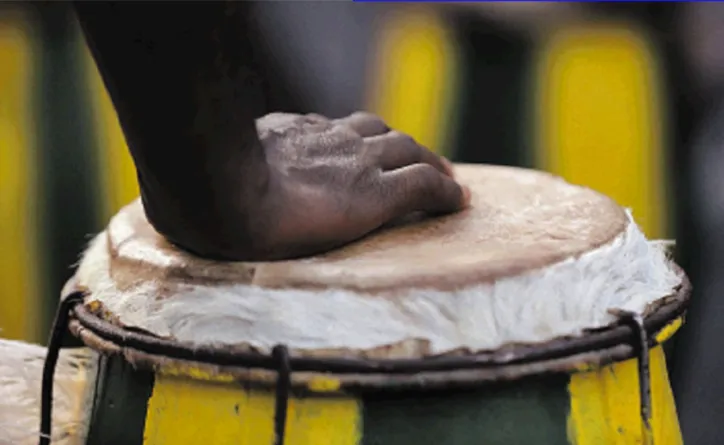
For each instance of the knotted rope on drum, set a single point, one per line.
(640, 345)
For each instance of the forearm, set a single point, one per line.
(179, 77)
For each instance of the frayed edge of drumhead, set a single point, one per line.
(565, 299)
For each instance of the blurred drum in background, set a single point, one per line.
(535, 316)
(21, 372)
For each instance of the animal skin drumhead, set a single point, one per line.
(533, 259)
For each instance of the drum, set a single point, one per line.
(21, 369)
(535, 316)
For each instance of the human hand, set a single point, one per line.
(333, 181)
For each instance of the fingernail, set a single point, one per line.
(448, 167)
(467, 196)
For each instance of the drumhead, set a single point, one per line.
(533, 259)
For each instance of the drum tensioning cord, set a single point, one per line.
(280, 354)
(60, 327)
(282, 363)
(640, 345)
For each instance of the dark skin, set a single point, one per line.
(218, 183)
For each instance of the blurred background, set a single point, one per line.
(623, 98)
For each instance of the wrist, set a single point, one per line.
(208, 211)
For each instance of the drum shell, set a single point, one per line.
(165, 403)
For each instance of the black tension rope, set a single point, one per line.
(284, 383)
(60, 327)
(616, 335)
(640, 345)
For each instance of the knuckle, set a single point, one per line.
(315, 118)
(371, 118)
(345, 131)
(278, 118)
(278, 122)
(421, 182)
(364, 115)
(403, 138)
(428, 176)
(279, 115)
(373, 150)
(364, 181)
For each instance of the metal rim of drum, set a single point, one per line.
(595, 349)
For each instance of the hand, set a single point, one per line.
(333, 181)
(308, 184)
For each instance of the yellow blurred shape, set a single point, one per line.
(19, 287)
(413, 80)
(599, 119)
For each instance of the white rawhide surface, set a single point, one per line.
(559, 300)
(21, 370)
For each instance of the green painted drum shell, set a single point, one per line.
(536, 409)
(532, 410)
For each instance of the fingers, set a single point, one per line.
(395, 150)
(392, 149)
(421, 187)
(364, 124)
